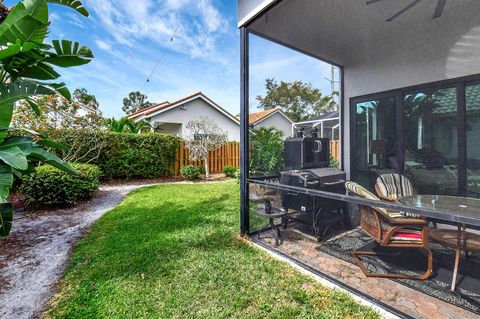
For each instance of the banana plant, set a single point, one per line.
(115, 125)
(126, 125)
(136, 127)
(27, 70)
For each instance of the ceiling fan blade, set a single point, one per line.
(411, 5)
(439, 9)
(373, 1)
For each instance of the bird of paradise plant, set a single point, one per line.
(27, 70)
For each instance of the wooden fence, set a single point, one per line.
(335, 149)
(229, 154)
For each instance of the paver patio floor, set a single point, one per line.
(409, 301)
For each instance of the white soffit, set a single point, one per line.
(262, 5)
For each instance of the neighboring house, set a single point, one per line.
(327, 125)
(272, 118)
(84, 110)
(172, 118)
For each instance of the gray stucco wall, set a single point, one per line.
(440, 52)
(279, 122)
(193, 110)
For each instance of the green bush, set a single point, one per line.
(334, 162)
(229, 171)
(122, 155)
(201, 169)
(191, 172)
(48, 187)
(238, 175)
(266, 157)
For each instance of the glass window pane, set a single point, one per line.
(377, 142)
(473, 141)
(431, 147)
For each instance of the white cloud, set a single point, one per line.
(74, 19)
(53, 17)
(104, 45)
(195, 25)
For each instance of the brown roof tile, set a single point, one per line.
(255, 117)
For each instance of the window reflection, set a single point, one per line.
(472, 93)
(431, 147)
(376, 140)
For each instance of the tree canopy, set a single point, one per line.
(82, 96)
(298, 100)
(134, 102)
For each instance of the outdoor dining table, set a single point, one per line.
(461, 211)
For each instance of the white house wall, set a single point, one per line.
(193, 110)
(279, 122)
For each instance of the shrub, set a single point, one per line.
(229, 171)
(266, 157)
(201, 170)
(48, 187)
(190, 172)
(238, 176)
(334, 162)
(122, 155)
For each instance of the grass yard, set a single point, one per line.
(172, 251)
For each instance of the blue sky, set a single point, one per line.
(129, 38)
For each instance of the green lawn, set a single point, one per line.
(172, 251)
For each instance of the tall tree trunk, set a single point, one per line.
(207, 171)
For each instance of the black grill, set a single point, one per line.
(325, 212)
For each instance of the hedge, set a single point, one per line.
(48, 186)
(123, 155)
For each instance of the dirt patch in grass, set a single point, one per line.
(34, 256)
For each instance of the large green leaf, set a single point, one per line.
(6, 181)
(14, 157)
(28, 22)
(15, 141)
(35, 153)
(39, 71)
(6, 113)
(13, 92)
(6, 219)
(19, 90)
(48, 143)
(62, 89)
(11, 49)
(74, 4)
(68, 54)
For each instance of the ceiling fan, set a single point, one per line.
(438, 10)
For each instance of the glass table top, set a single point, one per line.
(458, 208)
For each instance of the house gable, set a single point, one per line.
(161, 108)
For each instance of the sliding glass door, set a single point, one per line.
(472, 94)
(431, 140)
(429, 133)
(376, 139)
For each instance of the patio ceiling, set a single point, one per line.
(351, 32)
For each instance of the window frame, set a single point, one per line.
(459, 84)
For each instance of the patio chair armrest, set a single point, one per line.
(409, 221)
